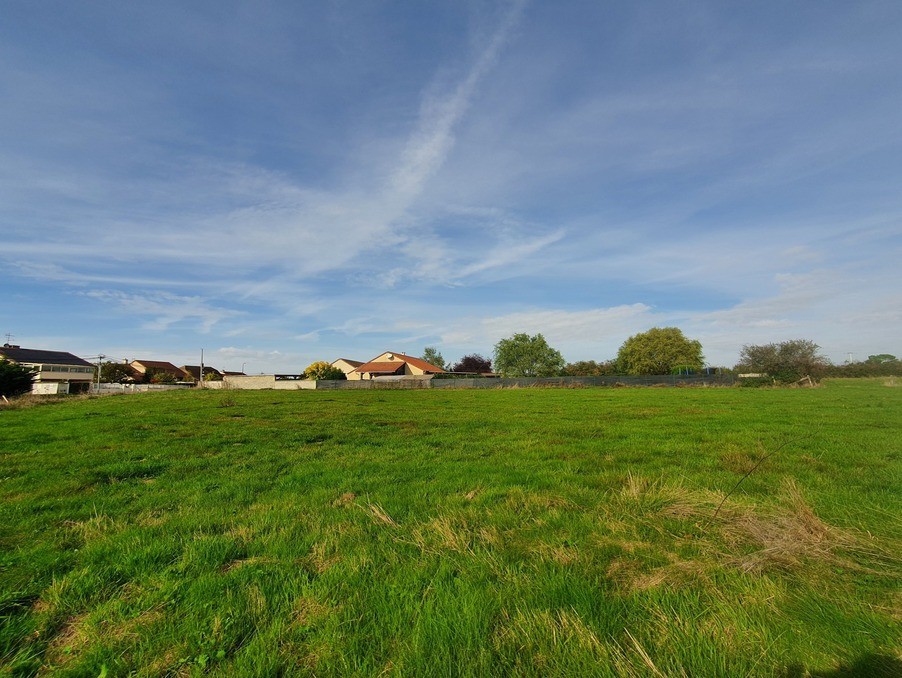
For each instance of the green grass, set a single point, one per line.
(508, 532)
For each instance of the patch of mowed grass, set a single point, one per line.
(519, 532)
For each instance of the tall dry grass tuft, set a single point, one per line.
(793, 533)
(753, 538)
(635, 486)
(28, 401)
(381, 515)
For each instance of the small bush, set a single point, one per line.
(15, 380)
(756, 382)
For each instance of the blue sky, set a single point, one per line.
(283, 182)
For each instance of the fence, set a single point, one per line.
(269, 382)
(577, 382)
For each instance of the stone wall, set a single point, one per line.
(268, 381)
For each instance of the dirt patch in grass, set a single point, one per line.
(345, 500)
(134, 627)
(678, 574)
(244, 562)
(633, 573)
(243, 534)
(562, 554)
(71, 639)
(307, 612)
(153, 518)
(322, 557)
(172, 662)
(91, 529)
(520, 500)
(741, 461)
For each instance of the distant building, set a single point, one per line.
(192, 372)
(141, 368)
(57, 371)
(392, 364)
(347, 366)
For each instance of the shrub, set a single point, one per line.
(785, 362)
(15, 380)
(321, 370)
(473, 363)
(590, 368)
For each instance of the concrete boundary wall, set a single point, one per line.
(269, 382)
(578, 382)
(260, 382)
(139, 388)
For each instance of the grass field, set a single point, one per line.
(508, 532)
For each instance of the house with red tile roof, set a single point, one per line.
(140, 368)
(393, 364)
(346, 365)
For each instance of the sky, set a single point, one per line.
(281, 182)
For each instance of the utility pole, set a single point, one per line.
(99, 358)
(200, 383)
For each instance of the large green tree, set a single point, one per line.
(661, 350)
(15, 379)
(525, 356)
(115, 373)
(786, 361)
(433, 357)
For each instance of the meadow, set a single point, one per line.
(602, 532)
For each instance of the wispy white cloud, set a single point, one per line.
(233, 214)
(161, 310)
(434, 137)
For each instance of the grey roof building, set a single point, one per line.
(57, 371)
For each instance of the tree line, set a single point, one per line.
(664, 350)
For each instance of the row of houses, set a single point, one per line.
(61, 372)
(390, 364)
(144, 369)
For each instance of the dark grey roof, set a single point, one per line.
(38, 357)
(194, 370)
